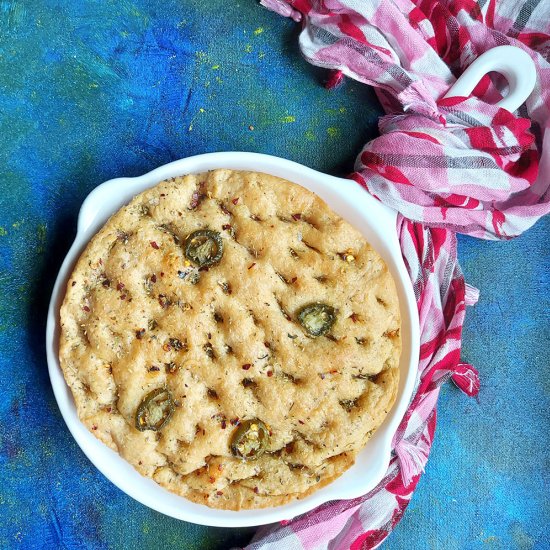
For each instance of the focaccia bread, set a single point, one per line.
(232, 338)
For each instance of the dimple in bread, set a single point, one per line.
(232, 338)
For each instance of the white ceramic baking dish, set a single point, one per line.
(375, 221)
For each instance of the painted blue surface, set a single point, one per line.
(94, 90)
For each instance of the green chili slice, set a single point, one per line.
(317, 319)
(250, 439)
(155, 410)
(204, 247)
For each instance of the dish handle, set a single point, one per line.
(510, 61)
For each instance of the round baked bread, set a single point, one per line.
(229, 345)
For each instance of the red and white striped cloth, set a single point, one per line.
(447, 165)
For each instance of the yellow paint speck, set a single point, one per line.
(124, 34)
(248, 48)
(258, 31)
(3, 232)
(17, 224)
(333, 132)
(288, 118)
(215, 67)
(310, 135)
(201, 110)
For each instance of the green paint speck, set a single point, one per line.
(201, 110)
(201, 56)
(248, 48)
(334, 132)
(258, 31)
(288, 118)
(41, 232)
(3, 232)
(215, 67)
(310, 135)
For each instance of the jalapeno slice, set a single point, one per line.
(250, 439)
(155, 410)
(317, 319)
(204, 247)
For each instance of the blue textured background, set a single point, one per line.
(94, 90)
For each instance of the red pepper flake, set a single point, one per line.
(301, 422)
(123, 297)
(234, 422)
(235, 200)
(100, 261)
(154, 245)
(334, 371)
(153, 278)
(109, 409)
(140, 333)
(86, 308)
(162, 273)
(220, 467)
(154, 368)
(293, 280)
(251, 265)
(226, 226)
(296, 217)
(270, 373)
(354, 317)
(94, 427)
(219, 493)
(120, 286)
(212, 479)
(164, 301)
(267, 345)
(209, 336)
(224, 424)
(73, 283)
(289, 447)
(246, 366)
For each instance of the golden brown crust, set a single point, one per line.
(226, 341)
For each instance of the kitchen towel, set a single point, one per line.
(447, 165)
